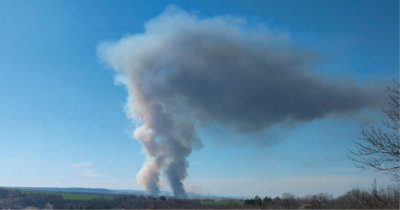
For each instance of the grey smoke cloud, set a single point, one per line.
(183, 69)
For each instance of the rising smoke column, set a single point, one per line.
(183, 69)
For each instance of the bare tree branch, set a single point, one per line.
(379, 148)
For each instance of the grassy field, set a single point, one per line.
(221, 203)
(70, 196)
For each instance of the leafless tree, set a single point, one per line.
(379, 147)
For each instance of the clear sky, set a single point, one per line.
(62, 119)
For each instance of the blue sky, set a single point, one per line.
(62, 119)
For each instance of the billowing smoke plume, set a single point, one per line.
(183, 69)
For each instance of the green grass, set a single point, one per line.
(70, 196)
(221, 203)
(85, 197)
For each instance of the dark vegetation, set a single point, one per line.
(11, 198)
(356, 198)
(353, 199)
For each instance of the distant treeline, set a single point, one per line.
(18, 199)
(354, 199)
